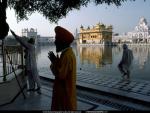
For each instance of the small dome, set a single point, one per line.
(143, 21)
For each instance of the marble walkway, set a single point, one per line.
(94, 92)
(134, 89)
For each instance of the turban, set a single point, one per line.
(63, 35)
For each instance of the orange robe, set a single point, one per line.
(64, 89)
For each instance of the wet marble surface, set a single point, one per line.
(35, 101)
(137, 89)
(87, 99)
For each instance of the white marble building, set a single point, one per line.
(45, 39)
(140, 34)
(30, 33)
(122, 38)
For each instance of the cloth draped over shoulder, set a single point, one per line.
(127, 58)
(31, 57)
(64, 89)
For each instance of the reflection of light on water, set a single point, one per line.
(102, 61)
(95, 55)
(102, 64)
(141, 66)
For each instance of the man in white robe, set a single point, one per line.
(31, 65)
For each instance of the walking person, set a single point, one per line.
(30, 62)
(126, 61)
(64, 70)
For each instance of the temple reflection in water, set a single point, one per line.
(98, 55)
(101, 60)
(141, 54)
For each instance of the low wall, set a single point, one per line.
(10, 89)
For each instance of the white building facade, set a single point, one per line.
(45, 39)
(30, 33)
(140, 34)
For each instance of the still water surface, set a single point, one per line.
(100, 60)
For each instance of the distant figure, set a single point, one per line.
(64, 70)
(30, 61)
(126, 61)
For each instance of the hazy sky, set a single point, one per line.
(123, 18)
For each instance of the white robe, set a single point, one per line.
(31, 60)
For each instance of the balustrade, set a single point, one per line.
(11, 59)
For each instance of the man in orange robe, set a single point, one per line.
(64, 70)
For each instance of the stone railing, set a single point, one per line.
(12, 77)
(11, 59)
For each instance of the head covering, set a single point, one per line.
(125, 46)
(63, 35)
